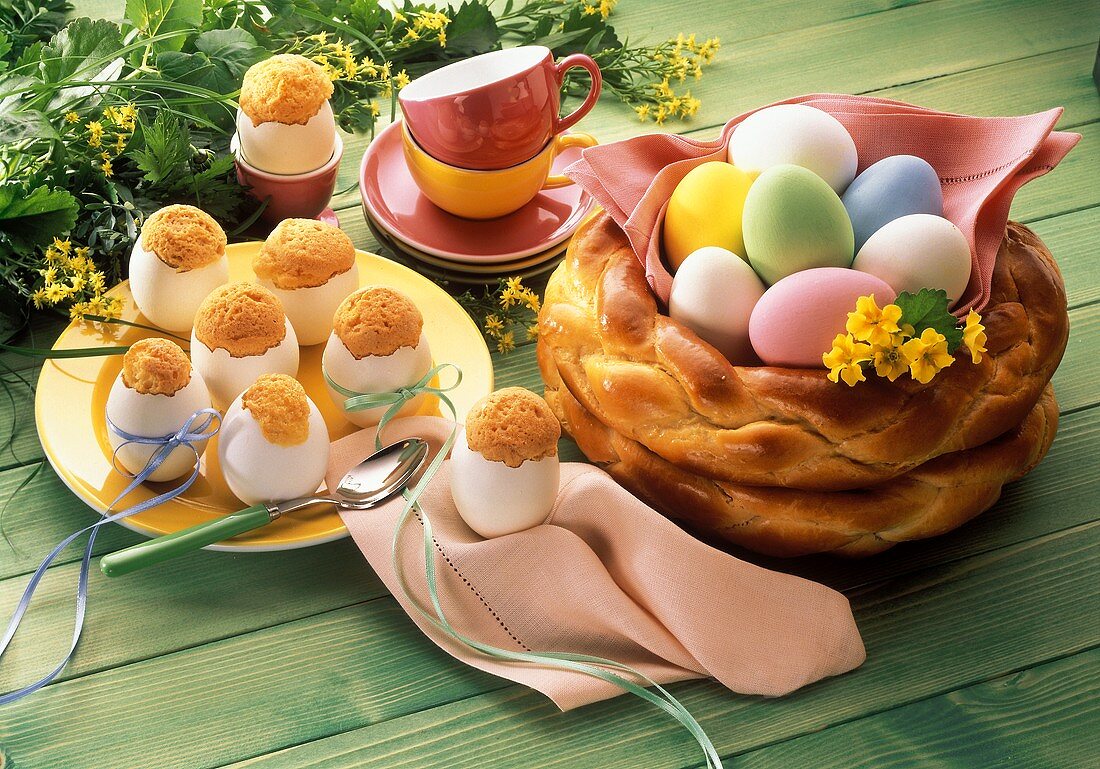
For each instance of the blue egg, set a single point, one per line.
(893, 187)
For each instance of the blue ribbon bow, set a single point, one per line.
(191, 432)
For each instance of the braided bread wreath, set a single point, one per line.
(783, 461)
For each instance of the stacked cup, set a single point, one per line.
(286, 147)
(480, 135)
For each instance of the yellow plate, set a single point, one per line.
(71, 404)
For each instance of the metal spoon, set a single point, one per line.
(374, 480)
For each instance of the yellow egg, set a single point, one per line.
(705, 210)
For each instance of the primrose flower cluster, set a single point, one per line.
(69, 276)
(500, 312)
(882, 339)
(673, 61)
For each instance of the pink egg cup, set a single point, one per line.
(291, 196)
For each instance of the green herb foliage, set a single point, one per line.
(928, 308)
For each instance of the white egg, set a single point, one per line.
(310, 310)
(495, 499)
(713, 294)
(918, 251)
(227, 377)
(375, 374)
(798, 135)
(152, 415)
(257, 470)
(281, 148)
(169, 298)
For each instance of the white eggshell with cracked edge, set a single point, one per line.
(282, 148)
(495, 499)
(257, 470)
(375, 374)
(310, 310)
(170, 299)
(152, 415)
(227, 377)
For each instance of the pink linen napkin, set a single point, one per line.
(604, 576)
(981, 161)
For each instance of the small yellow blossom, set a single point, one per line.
(974, 336)
(533, 331)
(401, 79)
(927, 355)
(506, 343)
(493, 325)
(49, 275)
(95, 133)
(843, 361)
(54, 293)
(107, 169)
(39, 298)
(72, 117)
(889, 360)
(642, 111)
(870, 324)
(64, 246)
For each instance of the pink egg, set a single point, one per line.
(797, 318)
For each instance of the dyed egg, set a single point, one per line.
(889, 189)
(798, 135)
(918, 251)
(794, 221)
(713, 294)
(705, 210)
(795, 321)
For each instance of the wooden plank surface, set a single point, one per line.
(981, 643)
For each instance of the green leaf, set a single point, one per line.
(928, 308)
(80, 51)
(158, 17)
(166, 154)
(29, 220)
(473, 30)
(232, 51)
(17, 120)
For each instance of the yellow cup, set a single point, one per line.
(488, 194)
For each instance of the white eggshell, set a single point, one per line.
(169, 299)
(375, 374)
(918, 251)
(151, 415)
(257, 470)
(799, 135)
(310, 310)
(281, 148)
(495, 499)
(227, 377)
(713, 294)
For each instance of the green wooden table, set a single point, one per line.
(982, 644)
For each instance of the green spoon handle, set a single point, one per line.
(183, 541)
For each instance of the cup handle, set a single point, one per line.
(585, 62)
(564, 142)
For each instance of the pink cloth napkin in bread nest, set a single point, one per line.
(981, 162)
(604, 576)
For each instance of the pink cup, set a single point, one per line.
(495, 110)
(290, 196)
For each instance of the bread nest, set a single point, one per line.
(783, 461)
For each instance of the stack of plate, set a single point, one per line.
(527, 243)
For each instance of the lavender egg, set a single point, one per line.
(893, 187)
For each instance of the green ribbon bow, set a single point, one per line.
(597, 667)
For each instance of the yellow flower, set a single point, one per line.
(321, 37)
(927, 355)
(78, 310)
(606, 6)
(401, 79)
(590, 10)
(533, 331)
(442, 38)
(96, 281)
(889, 360)
(49, 275)
(77, 282)
(64, 246)
(493, 325)
(95, 133)
(112, 307)
(506, 343)
(870, 324)
(375, 110)
(974, 336)
(72, 117)
(643, 111)
(54, 293)
(843, 361)
(39, 298)
(107, 169)
(531, 299)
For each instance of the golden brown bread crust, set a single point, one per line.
(512, 425)
(782, 460)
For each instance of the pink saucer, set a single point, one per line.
(392, 199)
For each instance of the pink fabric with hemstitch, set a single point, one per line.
(605, 576)
(981, 161)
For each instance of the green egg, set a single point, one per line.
(793, 221)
